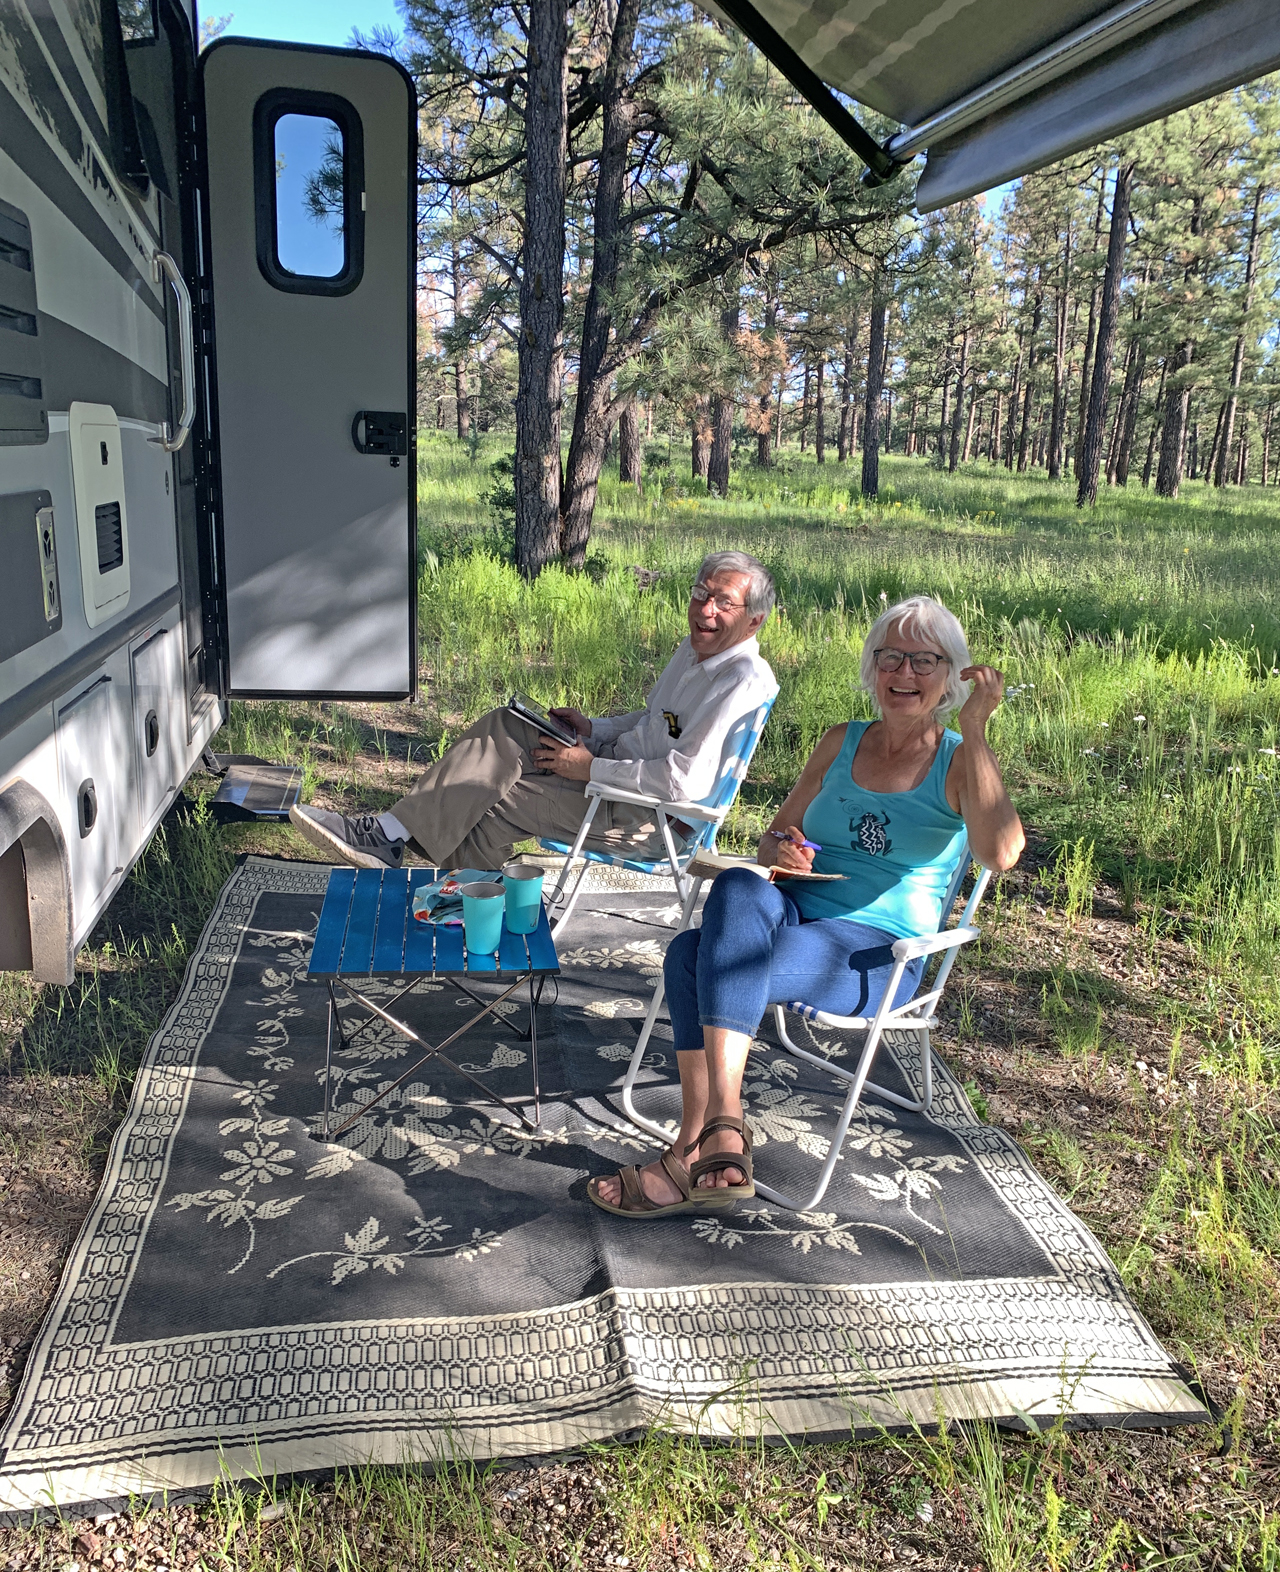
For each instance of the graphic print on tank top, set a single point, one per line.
(869, 833)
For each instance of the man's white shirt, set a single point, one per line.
(672, 748)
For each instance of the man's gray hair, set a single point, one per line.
(927, 619)
(761, 593)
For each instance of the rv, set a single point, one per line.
(207, 476)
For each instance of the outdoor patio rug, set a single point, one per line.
(244, 1300)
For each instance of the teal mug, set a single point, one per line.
(482, 903)
(523, 883)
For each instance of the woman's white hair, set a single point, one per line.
(927, 619)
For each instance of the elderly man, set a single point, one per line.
(502, 781)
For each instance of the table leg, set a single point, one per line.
(533, 1047)
(437, 1052)
(328, 1059)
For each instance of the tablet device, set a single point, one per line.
(535, 715)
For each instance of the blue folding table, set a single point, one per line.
(367, 930)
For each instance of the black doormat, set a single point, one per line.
(243, 1299)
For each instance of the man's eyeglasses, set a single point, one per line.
(922, 661)
(706, 597)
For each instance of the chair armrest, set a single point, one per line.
(930, 944)
(677, 810)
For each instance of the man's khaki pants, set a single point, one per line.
(485, 794)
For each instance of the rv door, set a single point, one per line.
(312, 172)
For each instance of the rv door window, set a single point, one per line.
(309, 197)
(309, 212)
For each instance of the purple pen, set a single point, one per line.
(780, 835)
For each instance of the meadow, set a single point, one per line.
(1121, 1016)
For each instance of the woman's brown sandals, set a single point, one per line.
(633, 1202)
(723, 1160)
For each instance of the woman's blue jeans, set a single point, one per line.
(754, 949)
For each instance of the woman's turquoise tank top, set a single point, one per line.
(898, 849)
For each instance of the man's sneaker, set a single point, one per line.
(361, 841)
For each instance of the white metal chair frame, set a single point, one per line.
(740, 747)
(917, 1015)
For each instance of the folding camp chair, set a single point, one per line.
(917, 1015)
(709, 814)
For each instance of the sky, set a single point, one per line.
(301, 21)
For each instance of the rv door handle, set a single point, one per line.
(163, 266)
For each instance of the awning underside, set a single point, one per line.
(1013, 84)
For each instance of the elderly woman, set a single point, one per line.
(886, 803)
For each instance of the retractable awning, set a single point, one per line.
(994, 88)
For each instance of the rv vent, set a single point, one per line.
(20, 387)
(15, 255)
(106, 519)
(17, 321)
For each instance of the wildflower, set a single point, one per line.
(1271, 751)
(1140, 720)
(1105, 725)
(1088, 750)
(884, 595)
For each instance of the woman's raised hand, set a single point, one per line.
(978, 708)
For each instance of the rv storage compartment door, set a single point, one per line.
(312, 170)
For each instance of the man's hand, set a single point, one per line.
(576, 719)
(572, 764)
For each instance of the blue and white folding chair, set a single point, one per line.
(918, 1015)
(708, 815)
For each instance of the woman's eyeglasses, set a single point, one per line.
(706, 597)
(922, 662)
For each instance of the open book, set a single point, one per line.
(706, 864)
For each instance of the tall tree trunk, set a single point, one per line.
(764, 453)
(1108, 316)
(630, 453)
(461, 409)
(846, 392)
(1237, 359)
(1086, 369)
(1177, 398)
(1266, 443)
(804, 407)
(1177, 401)
(1015, 392)
(541, 345)
(875, 382)
(819, 414)
(1058, 419)
(701, 424)
(975, 405)
(944, 419)
(1037, 311)
(1156, 426)
(1124, 457)
(911, 425)
(1122, 411)
(994, 455)
(1211, 468)
(593, 414)
(957, 414)
(722, 438)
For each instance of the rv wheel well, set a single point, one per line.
(29, 826)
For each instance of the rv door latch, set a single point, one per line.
(385, 432)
